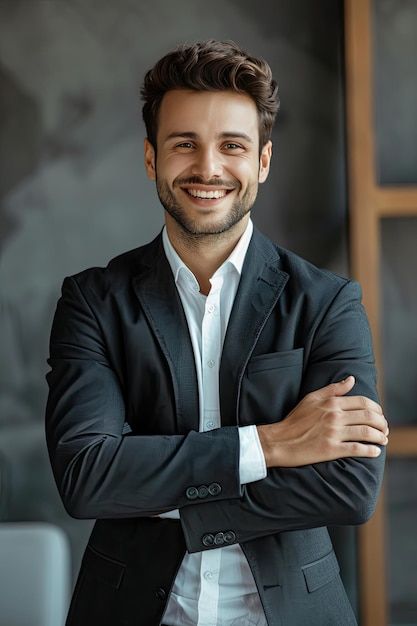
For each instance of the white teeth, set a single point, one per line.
(199, 193)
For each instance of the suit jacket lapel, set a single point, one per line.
(155, 287)
(260, 286)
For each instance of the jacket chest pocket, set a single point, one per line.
(271, 386)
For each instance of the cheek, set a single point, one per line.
(173, 168)
(246, 173)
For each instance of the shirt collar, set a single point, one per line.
(235, 259)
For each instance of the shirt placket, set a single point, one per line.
(210, 355)
(210, 362)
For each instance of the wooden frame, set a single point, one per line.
(368, 204)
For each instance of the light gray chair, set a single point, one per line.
(34, 574)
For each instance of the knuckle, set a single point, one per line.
(367, 432)
(332, 404)
(379, 420)
(333, 414)
(355, 447)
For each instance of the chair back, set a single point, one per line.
(34, 574)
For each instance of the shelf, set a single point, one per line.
(393, 201)
(402, 441)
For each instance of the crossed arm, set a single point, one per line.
(326, 458)
(307, 491)
(315, 476)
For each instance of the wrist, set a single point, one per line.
(266, 444)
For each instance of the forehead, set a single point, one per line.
(207, 112)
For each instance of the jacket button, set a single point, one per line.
(161, 593)
(214, 489)
(229, 536)
(203, 491)
(208, 540)
(219, 539)
(192, 493)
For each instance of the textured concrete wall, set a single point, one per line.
(73, 192)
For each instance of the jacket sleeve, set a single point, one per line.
(100, 472)
(337, 492)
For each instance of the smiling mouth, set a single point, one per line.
(203, 194)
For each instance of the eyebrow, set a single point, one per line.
(224, 135)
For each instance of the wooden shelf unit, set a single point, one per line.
(370, 202)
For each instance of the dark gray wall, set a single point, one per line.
(73, 192)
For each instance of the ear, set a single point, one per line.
(264, 161)
(149, 159)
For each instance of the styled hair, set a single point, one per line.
(211, 66)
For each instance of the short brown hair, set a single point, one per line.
(211, 66)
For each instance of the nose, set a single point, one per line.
(207, 163)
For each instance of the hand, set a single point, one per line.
(326, 425)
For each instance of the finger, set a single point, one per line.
(356, 449)
(335, 389)
(354, 403)
(366, 418)
(364, 434)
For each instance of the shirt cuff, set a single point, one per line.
(252, 464)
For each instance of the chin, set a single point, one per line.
(214, 226)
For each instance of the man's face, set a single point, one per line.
(207, 167)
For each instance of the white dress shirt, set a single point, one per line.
(215, 587)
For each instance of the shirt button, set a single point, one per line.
(211, 363)
(208, 575)
(211, 308)
(210, 424)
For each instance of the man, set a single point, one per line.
(212, 396)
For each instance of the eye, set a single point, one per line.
(185, 145)
(233, 146)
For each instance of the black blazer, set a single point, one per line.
(122, 424)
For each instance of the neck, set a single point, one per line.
(204, 254)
